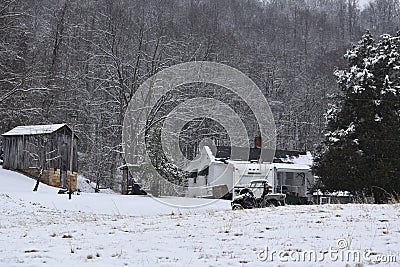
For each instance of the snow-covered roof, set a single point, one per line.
(34, 129)
(333, 194)
(306, 159)
(291, 167)
(129, 165)
(206, 158)
(202, 161)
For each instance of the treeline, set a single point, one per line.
(59, 57)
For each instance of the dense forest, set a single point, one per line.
(63, 57)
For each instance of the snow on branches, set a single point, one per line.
(363, 127)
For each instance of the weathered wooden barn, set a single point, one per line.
(30, 148)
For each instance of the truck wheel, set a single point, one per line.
(273, 203)
(237, 207)
(270, 204)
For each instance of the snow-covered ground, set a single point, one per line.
(44, 228)
(86, 186)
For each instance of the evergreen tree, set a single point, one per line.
(362, 148)
(170, 177)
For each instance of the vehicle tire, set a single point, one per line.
(273, 203)
(269, 204)
(237, 207)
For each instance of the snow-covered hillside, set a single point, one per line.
(44, 228)
(20, 187)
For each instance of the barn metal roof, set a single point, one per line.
(34, 129)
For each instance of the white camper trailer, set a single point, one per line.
(213, 177)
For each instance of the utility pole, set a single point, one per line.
(71, 158)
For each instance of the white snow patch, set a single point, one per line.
(86, 186)
(306, 159)
(44, 228)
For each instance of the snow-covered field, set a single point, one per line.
(44, 228)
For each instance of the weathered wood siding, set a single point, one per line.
(22, 152)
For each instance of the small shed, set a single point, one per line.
(48, 147)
